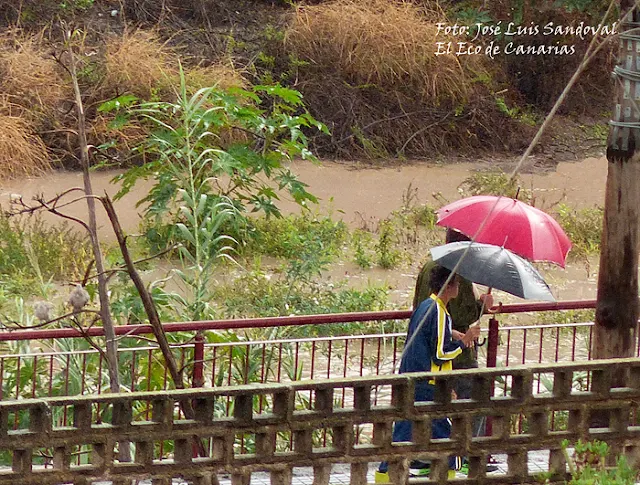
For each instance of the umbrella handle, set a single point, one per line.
(479, 343)
(483, 307)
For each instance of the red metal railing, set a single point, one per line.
(67, 370)
(245, 323)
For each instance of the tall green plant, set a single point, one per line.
(229, 145)
(205, 245)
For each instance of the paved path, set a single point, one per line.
(340, 475)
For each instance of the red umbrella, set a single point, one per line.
(512, 224)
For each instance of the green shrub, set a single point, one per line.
(32, 250)
(423, 215)
(362, 242)
(584, 228)
(494, 183)
(388, 256)
(259, 294)
(286, 237)
(566, 316)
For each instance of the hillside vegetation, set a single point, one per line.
(367, 69)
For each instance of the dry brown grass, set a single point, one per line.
(221, 75)
(389, 44)
(137, 62)
(29, 74)
(126, 137)
(21, 152)
(140, 63)
(371, 74)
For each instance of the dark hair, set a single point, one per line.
(439, 276)
(455, 236)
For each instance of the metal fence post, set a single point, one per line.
(198, 360)
(197, 379)
(492, 344)
(492, 359)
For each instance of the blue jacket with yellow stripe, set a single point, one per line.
(432, 349)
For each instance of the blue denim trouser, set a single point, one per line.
(440, 428)
(463, 386)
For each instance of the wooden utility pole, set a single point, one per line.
(617, 306)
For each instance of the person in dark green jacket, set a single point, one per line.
(465, 310)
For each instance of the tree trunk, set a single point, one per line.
(124, 452)
(617, 303)
(105, 310)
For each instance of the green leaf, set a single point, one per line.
(201, 205)
(121, 120)
(290, 96)
(118, 103)
(185, 233)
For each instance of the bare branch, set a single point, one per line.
(88, 338)
(18, 325)
(122, 268)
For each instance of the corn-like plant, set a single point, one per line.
(228, 146)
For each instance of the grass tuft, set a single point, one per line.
(222, 75)
(21, 152)
(384, 43)
(29, 75)
(137, 62)
(141, 63)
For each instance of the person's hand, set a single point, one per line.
(471, 335)
(487, 300)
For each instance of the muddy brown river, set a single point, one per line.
(360, 194)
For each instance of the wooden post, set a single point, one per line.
(617, 302)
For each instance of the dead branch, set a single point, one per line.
(110, 272)
(87, 337)
(152, 312)
(111, 355)
(18, 325)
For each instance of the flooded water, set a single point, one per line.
(361, 192)
(362, 195)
